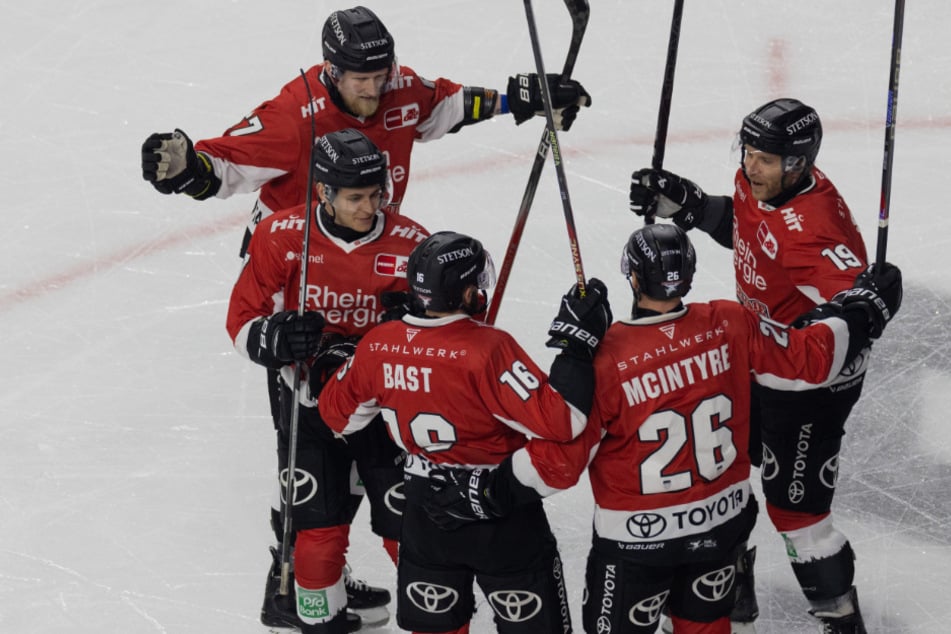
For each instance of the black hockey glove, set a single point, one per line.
(171, 164)
(334, 351)
(668, 196)
(820, 312)
(462, 496)
(877, 292)
(398, 304)
(524, 94)
(581, 321)
(285, 337)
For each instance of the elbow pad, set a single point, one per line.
(478, 104)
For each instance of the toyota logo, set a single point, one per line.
(603, 625)
(797, 491)
(829, 474)
(770, 467)
(305, 486)
(431, 598)
(646, 525)
(647, 611)
(394, 499)
(515, 606)
(715, 585)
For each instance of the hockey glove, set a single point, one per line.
(285, 337)
(171, 164)
(398, 304)
(462, 496)
(877, 292)
(334, 351)
(668, 196)
(524, 95)
(581, 321)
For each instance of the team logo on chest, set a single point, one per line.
(401, 117)
(390, 265)
(767, 241)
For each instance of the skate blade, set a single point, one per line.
(374, 617)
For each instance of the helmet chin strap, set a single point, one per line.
(637, 295)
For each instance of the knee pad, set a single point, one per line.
(320, 556)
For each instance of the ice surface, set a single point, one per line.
(136, 456)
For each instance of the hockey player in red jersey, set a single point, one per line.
(795, 245)
(359, 85)
(356, 255)
(670, 430)
(455, 391)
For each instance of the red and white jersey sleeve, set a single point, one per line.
(453, 390)
(791, 258)
(344, 279)
(269, 149)
(673, 405)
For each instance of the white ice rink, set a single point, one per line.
(136, 451)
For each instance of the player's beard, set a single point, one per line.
(362, 106)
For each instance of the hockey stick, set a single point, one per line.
(579, 11)
(666, 93)
(556, 150)
(289, 486)
(894, 68)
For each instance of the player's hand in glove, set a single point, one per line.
(285, 337)
(581, 321)
(171, 164)
(398, 304)
(524, 94)
(668, 196)
(462, 496)
(877, 292)
(334, 351)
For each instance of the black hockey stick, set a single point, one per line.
(666, 93)
(894, 68)
(289, 486)
(579, 11)
(555, 149)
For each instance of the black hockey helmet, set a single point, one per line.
(662, 259)
(786, 127)
(355, 39)
(347, 158)
(444, 265)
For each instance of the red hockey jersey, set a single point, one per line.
(792, 258)
(452, 390)
(344, 279)
(269, 149)
(670, 426)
